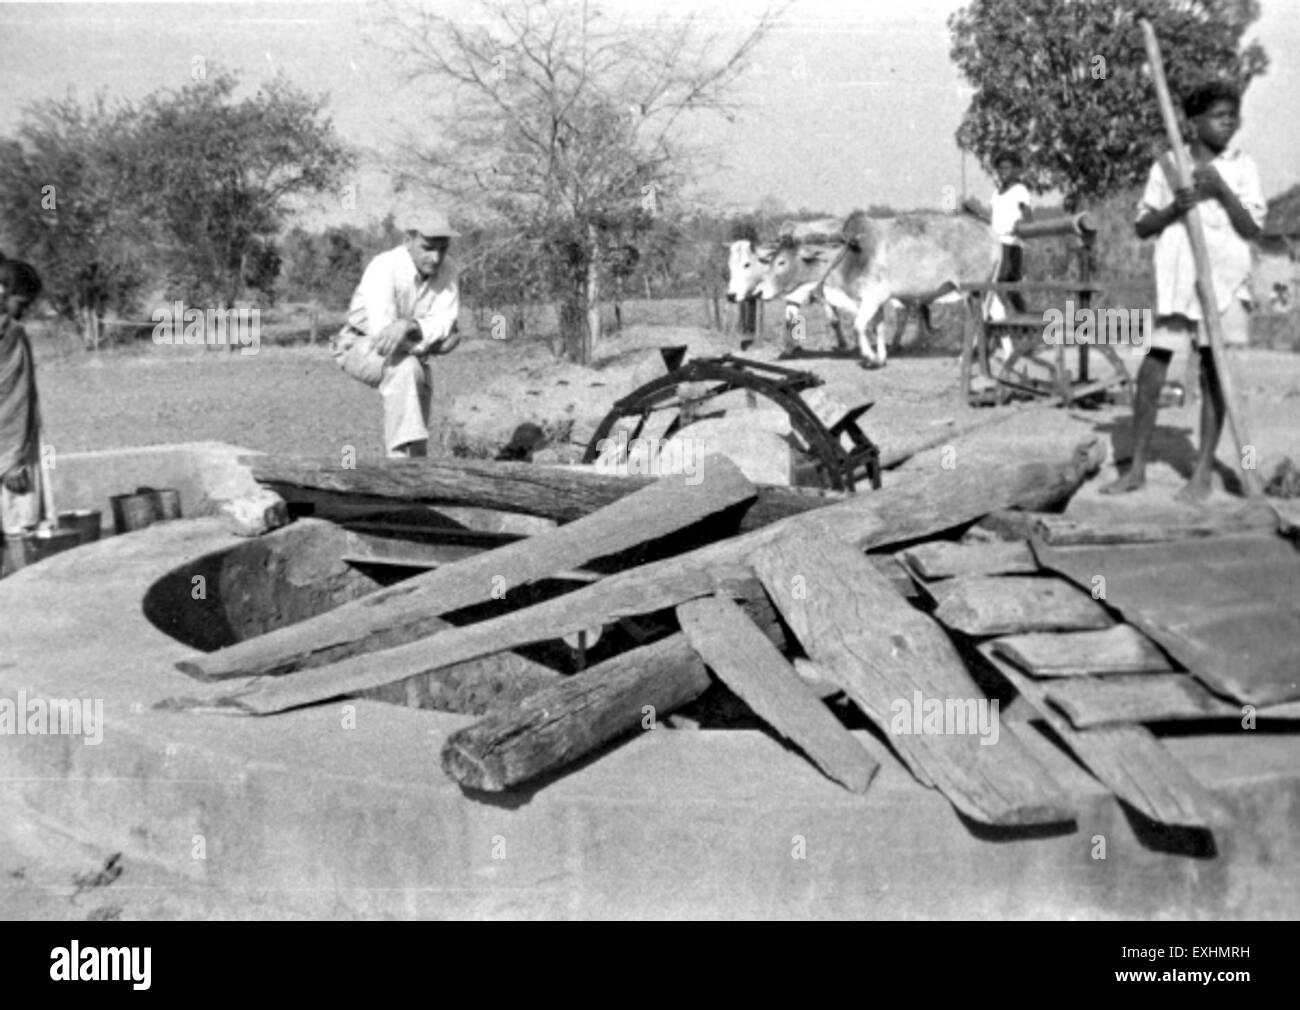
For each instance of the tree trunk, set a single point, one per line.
(592, 334)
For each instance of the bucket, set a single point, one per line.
(33, 545)
(84, 522)
(132, 511)
(166, 501)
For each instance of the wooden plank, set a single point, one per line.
(473, 688)
(1058, 531)
(1121, 649)
(1159, 697)
(943, 559)
(743, 659)
(561, 724)
(1128, 760)
(560, 493)
(426, 557)
(1225, 608)
(923, 502)
(891, 658)
(899, 577)
(407, 608)
(817, 680)
(1001, 605)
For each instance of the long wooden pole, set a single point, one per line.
(1204, 276)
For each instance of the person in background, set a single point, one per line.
(1227, 190)
(20, 419)
(404, 311)
(1007, 208)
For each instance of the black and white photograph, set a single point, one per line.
(651, 460)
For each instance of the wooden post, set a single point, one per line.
(315, 316)
(1204, 275)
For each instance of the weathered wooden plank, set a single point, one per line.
(560, 493)
(1058, 531)
(1001, 605)
(925, 502)
(899, 577)
(1158, 697)
(1128, 760)
(425, 556)
(891, 659)
(816, 679)
(943, 559)
(408, 608)
(743, 659)
(556, 726)
(1225, 608)
(1121, 649)
(473, 688)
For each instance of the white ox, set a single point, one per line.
(746, 265)
(911, 258)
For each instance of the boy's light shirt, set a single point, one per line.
(1230, 254)
(1004, 213)
(391, 289)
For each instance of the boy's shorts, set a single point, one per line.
(1174, 333)
(19, 510)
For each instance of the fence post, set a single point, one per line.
(315, 314)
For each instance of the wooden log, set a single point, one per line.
(560, 493)
(402, 554)
(1128, 760)
(943, 559)
(558, 725)
(1058, 531)
(473, 688)
(1001, 605)
(927, 501)
(1084, 223)
(1156, 697)
(1121, 649)
(743, 659)
(891, 658)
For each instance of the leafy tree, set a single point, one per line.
(561, 125)
(222, 168)
(67, 203)
(1064, 82)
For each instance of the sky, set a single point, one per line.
(849, 102)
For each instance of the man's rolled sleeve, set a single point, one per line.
(376, 290)
(438, 321)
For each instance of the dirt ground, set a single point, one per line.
(295, 400)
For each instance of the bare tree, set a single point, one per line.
(550, 118)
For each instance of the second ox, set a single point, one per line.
(912, 258)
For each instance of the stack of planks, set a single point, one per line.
(1045, 615)
(765, 590)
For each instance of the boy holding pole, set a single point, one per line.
(1227, 191)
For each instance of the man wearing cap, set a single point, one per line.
(403, 310)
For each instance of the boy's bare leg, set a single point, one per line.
(1212, 411)
(1146, 405)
